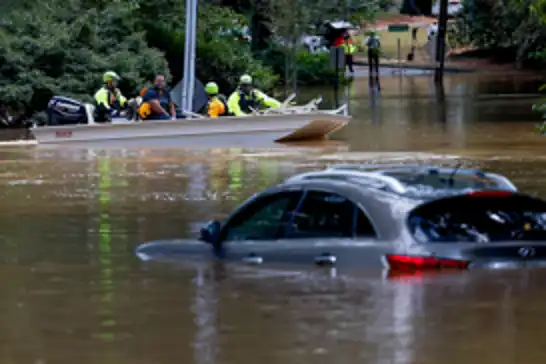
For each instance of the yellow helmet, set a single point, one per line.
(110, 76)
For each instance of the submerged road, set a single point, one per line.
(73, 290)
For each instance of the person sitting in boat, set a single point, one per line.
(156, 101)
(217, 105)
(109, 100)
(246, 98)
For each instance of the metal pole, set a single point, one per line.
(399, 50)
(441, 42)
(336, 81)
(189, 56)
(191, 75)
(184, 93)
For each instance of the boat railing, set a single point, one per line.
(90, 112)
(286, 109)
(288, 100)
(342, 109)
(193, 115)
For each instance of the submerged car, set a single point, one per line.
(404, 217)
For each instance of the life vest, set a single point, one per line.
(248, 102)
(144, 110)
(223, 100)
(349, 48)
(112, 97)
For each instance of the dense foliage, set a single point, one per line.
(513, 26)
(64, 46)
(58, 48)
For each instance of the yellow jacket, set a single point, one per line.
(240, 104)
(106, 97)
(216, 107)
(349, 49)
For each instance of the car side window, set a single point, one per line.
(264, 219)
(325, 214)
(364, 227)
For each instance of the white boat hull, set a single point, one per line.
(227, 131)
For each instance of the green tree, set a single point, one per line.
(511, 25)
(62, 47)
(220, 55)
(291, 20)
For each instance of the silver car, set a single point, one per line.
(402, 217)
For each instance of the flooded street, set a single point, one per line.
(74, 292)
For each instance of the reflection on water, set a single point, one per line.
(73, 291)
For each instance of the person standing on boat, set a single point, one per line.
(108, 99)
(247, 98)
(156, 101)
(217, 105)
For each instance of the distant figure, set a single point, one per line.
(411, 54)
(156, 102)
(217, 105)
(374, 50)
(350, 50)
(432, 30)
(246, 98)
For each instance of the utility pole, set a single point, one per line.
(441, 43)
(188, 84)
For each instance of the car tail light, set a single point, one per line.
(489, 194)
(453, 3)
(414, 262)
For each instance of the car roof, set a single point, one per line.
(387, 193)
(418, 182)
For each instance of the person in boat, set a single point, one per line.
(246, 98)
(156, 100)
(109, 101)
(217, 104)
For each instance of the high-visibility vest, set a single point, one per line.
(349, 48)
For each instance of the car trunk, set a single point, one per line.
(482, 229)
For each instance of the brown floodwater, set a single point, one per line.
(74, 292)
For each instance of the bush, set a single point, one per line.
(56, 48)
(504, 24)
(312, 69)
(64, 46)
(220, 57)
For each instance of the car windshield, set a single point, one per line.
(479, 220)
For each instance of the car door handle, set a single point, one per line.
(253, 259)
(325, 259)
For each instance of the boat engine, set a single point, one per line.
(65, 111)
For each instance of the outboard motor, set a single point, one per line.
(65, 111)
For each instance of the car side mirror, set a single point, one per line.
(210, 232)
